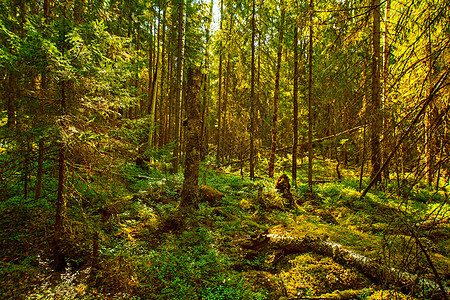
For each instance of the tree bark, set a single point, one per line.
(58, 256)
(252, 96)
(95, 252)
(430, 116)
(59, 259)
(190, 191)
(375, 101)
(162, 90)
(219, 95)
(386, 115)
(178, 87)
(295, 101)
(26, 169)
(205, 87)
(224, 112)
(40, 170)
(310, 81)
(11, 100)
(276, 95)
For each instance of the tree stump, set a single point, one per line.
(284, 188)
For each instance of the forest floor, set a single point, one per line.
(150, 249)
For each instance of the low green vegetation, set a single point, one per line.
(150, 249)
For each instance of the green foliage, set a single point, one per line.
(16, 279)
(183, 266)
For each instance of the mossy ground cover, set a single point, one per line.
(150, 249)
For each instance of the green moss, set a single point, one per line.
(314, 275)
(389, 295)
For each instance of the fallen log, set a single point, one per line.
(367, 266)
(336, 295)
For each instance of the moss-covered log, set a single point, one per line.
(369, 267)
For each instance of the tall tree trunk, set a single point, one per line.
(310, 81)
(150, 71)
(178, 87)
(219, 113)
(252, 97)
(276, 95)
(43, 95)
(203, 139)
(154, 90)
(386, 115)
(375, 101)
(430, 116)
(58, 255)
(219, 95)
(295, 101)
(224, 110)
(189, 193)
(162, 90)
(59, 259)
(205, 87)
(170, 92)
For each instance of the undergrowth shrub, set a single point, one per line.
(184, 266)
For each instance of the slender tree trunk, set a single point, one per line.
(46, 9)
(363, 159)
(219, 113)
(204, 105)
(189, 193)
(40, 170)
(219, 95)
(59, 259)
(10, 100)
(386, 115)
(252, 97)
(376, 119)
(150, 71)
(224, 111)
(310, 82)
(295, 101)
(95, 252)
(170, 92)
(58, 256)
(154, 91)
(276, 95)
(162, 90)
(178, 88)
(44, 94)
(430, 115)
(26, 169)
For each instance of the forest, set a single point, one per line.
(224, 149)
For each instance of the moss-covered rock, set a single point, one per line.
(210, 195)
